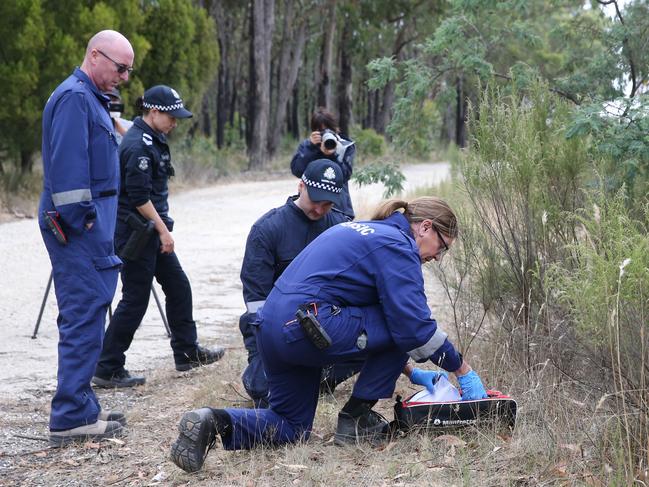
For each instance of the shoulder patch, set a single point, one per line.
(146, 138)
(143, 163)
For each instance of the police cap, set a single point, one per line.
(165, 99)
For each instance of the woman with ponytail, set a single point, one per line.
(362, 283)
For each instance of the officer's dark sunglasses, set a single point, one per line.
(441, 253)
(121, 68)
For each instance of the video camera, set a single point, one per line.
(329, 139)
(115, 108)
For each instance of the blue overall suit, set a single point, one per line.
(80, 182)
(145, 163)
(273, 242)
(344, 157)
(365, 280)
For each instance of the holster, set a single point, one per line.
(139, 238)
(312, 328)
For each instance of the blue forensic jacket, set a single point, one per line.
(80, 162)
(344, 157)
(273, 242)
(368, 264)
(145, 163)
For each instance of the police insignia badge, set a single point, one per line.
(146, 138)
(330, 173)
(143, 163)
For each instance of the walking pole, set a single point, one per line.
(162, 313)
(40, 313)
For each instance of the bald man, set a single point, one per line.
(77, 215)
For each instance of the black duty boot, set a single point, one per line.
(202, 356)
(197, 436)
(121, 378)
(368, 426)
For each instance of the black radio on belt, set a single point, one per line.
(52, 220)
(312, 328)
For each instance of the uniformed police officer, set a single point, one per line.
(364, 284)
(273, 242)
(79, 202)
(145, 169)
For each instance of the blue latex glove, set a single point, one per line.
(426, 378)
(471, 386)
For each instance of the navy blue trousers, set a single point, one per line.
(137, 277)
(293, 367)
(84, 283)
(254, 378)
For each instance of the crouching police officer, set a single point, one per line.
(362, 281)
(274, 241)
(144, 242)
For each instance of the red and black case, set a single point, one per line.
(409, 414)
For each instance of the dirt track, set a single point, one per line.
(211, 228)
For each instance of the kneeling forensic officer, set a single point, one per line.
(145, 164)
(363, 283)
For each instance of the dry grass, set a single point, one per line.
(549, 447)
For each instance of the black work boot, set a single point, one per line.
(197, 436)
(121, 378)
(362, 425)
(202, 356)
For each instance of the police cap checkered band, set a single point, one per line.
(163, 108)
(165, 99)
(322, 185)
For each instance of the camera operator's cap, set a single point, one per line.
(165, 99)
(324, 181)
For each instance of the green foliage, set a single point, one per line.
(197, 160)
(521, 176)
(45, 39)
(620, 129)
(368, 142)
(184, 50)
(387, 174)
(605, 295)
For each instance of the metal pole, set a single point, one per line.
(40, 313)
(162, 313)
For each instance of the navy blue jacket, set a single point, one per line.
(145, 163)
(344, 157)
(273, 242)
(368, 264)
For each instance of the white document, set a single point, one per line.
(444, 392)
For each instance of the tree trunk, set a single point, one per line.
(323, 71)
(293, 40)
(263, 21)
(384, 112)
(345, 80)
(25, 161)
(460, 118)
(295, 118)
(223, 106)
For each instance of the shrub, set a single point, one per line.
(368, 143)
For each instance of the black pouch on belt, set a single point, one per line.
(53, 222)
(139, 238)
(312, 328)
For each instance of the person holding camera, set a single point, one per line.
(326, 142)
(115, 109)
(145, 163)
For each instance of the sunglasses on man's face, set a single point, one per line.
(121, 68)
